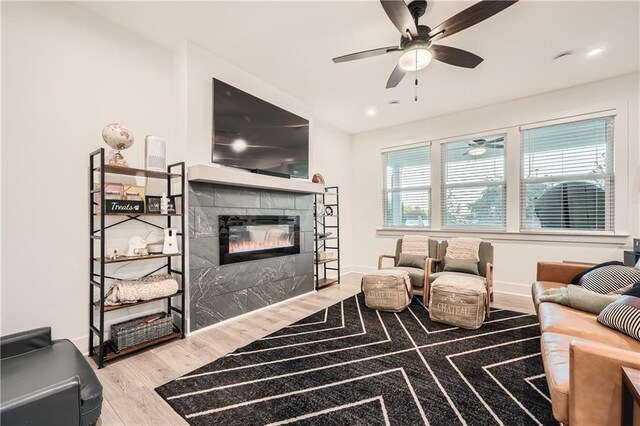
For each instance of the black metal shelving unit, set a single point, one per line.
(105, 351)
(327, 223)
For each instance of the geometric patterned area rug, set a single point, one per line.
(351, 365)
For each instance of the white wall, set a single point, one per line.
(66, 73)
(330, 151)
(515, 260)
(332, 159)
(0, 180)
(202, 67)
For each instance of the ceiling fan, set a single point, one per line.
(480, 146)
(417, 40)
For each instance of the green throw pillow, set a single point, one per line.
(467, 266)
(411, 260)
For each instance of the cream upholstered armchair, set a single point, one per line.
(485, 269)
(419, 275)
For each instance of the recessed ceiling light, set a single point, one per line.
(594, 52)
(371, 112)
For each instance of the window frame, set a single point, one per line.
(427, 188)
(476, 184)
(626, 203)
(610, 229)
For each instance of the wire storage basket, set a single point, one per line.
(142, 329)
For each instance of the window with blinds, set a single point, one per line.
(406, 197)
(567, 180)
(473, 183)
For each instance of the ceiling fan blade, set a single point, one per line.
(499, 146)
(399, 14)
(365, 54)
(469, 17)
(396, 77)
(453, 56)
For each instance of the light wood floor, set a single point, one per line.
(129, 396)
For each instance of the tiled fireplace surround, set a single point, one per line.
(221, 292)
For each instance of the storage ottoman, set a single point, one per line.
(458, 300)
(387, 290)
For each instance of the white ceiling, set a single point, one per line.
(290, 45)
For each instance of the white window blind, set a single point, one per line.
(406, 197)
(568, 176)
(473, 183)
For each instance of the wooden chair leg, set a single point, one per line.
(488, 306)
(488, 301)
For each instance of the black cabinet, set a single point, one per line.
(631, 258)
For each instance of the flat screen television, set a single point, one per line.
(253, 134)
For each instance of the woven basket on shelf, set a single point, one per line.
(139, 330)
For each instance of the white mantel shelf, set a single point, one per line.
(237, 177)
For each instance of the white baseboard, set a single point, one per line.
(359, 269)
(81, 344)
(524, 297)
(506, 287)
(512, 288)
(348, 270)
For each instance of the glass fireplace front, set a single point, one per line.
(245, 238)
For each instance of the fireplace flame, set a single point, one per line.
(242, 246)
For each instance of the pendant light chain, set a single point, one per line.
(415, 98)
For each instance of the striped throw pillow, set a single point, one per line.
(577, 278)
(610, 278)
(624, 314)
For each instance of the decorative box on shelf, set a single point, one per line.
(120, 198)
(139, 330)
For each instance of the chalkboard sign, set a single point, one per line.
(124, 206)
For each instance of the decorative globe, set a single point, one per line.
(117, 137)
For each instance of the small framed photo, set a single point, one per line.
(152, 204)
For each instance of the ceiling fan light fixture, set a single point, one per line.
(415, 58)
(479, 150)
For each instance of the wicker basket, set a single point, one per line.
(140, 330)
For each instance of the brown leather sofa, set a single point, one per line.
(582, 358)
